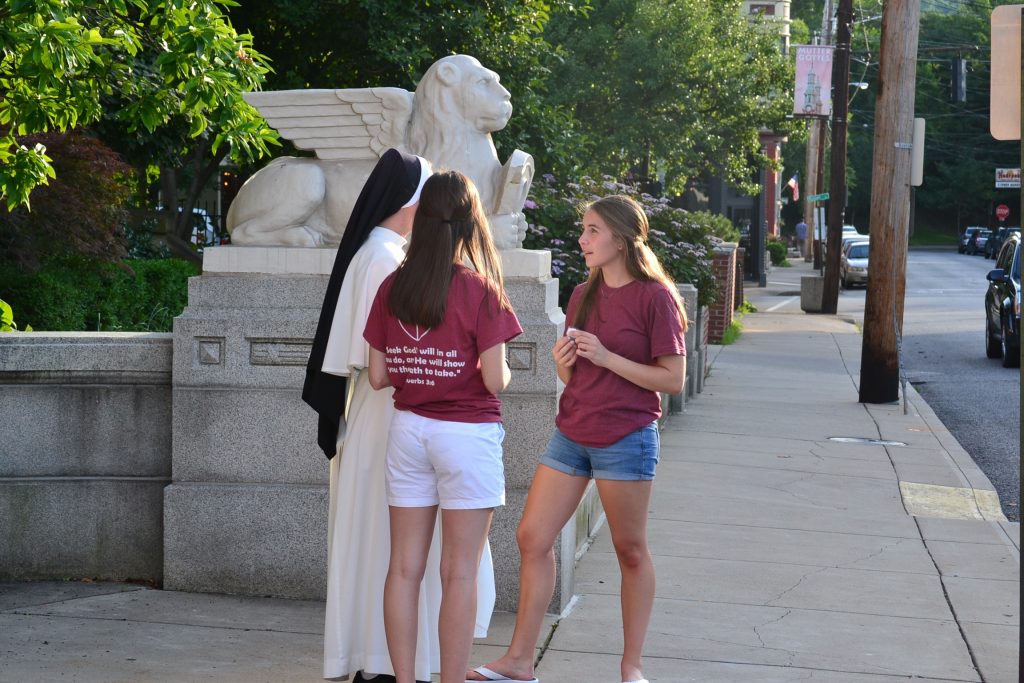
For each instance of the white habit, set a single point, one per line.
(358, 546)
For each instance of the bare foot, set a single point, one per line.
(631, 673)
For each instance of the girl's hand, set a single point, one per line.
(564, 352)
(590, 347)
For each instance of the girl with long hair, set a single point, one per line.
(623, 345)
(437, 332)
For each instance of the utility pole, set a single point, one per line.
(890, 202)
(819, 185)
(837, 190)
(819, 179)
(810, 183)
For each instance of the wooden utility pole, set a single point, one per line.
(890, 202)
(837, 189)
(810, 183)
(819, 184)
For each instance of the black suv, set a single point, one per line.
(1002, 305)
(996, 240)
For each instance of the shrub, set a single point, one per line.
(75, 293)
(682, 240)
(777, 251)
(79, 211)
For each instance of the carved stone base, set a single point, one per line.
(247, 508)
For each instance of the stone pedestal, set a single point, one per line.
(247, 508)
(246, 511)
(689, 295)
(529, 406)
(812, 290)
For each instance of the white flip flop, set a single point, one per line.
(495, 676)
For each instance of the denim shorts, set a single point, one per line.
(634, 457)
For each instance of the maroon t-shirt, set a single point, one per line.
(436, 371)
(638, 321)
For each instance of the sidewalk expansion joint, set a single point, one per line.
(216, 627)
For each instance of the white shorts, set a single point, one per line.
(456, 465)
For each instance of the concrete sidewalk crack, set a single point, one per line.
(757, 633)
(796, 585)
(876, 553)
(949, 602)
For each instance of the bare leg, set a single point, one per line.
(411, 533)
(552, 500)
(463, 533)
(625, 506)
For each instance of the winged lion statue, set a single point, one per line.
(306, 201)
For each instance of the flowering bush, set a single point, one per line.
(683, 240)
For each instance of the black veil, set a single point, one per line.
(392, 183)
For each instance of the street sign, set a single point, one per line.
(1002, 212)
(817, 197)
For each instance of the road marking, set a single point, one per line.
(781, 304)
(949, 502)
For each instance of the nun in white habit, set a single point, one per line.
(353, 431)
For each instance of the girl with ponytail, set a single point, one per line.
(623, 345)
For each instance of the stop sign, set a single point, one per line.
(1002, 212)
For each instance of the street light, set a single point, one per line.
(860, 85)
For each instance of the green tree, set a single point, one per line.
(166, 67)
(686, 85)
(371, 43)
(960, 155)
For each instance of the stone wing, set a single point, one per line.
(353, 123)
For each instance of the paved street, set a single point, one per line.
(944, 354)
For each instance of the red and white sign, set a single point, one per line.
(1002, 212)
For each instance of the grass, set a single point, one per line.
(732, 333)
(924, 237)
(735, 329)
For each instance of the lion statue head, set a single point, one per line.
(457, 105)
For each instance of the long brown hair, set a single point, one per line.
(450, 227)
(628, 223)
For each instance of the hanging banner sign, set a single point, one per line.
(813, 93)
(1008, 178)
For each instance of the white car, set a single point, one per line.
(853, 265)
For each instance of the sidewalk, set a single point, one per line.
(781, 555)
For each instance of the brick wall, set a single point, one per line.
(738, 298)
(720, 313)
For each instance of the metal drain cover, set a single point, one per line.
(866, 441)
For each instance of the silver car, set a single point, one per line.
(853, 266)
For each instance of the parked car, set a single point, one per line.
(855, 238)
(853, 265)
(996, 239)
(976, 245)
(862, 239)
(849, 232)
(966, 237)
(1002, 305)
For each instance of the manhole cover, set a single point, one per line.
(863, 440)
(796, 293)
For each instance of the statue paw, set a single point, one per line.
(302, 236)
(508, 230)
